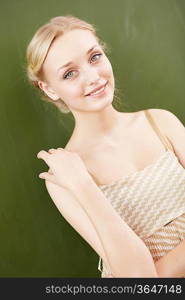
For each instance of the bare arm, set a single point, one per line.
(75, 215)
(126, 254)
(122, 247)
(122, 251)
(173, 263)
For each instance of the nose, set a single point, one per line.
(91, 75)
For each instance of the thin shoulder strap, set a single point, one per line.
(162, 137)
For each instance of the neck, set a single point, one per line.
(91, 126)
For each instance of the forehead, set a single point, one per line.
(70, 45)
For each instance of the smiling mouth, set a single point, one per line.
(99, 91)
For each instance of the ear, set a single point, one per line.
(48, 90)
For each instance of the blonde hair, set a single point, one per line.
(39, 46)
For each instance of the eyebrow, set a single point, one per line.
(70, 62)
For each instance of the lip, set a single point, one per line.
(96, 89)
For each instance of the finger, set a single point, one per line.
(50, 172)
(48, 177)
(42, 155)
(60, 148)
(52, 150)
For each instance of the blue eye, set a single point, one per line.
(66, 76)
(95, 56)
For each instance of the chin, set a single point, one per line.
(101, 105)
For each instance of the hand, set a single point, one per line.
(66, 168)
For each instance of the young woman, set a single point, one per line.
(120, 180)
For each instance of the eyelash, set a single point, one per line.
(97, 54)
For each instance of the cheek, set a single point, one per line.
(109, 73)
(108, 68)
(71, 91)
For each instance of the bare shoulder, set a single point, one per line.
(71, 146)
(173, 128)
(167, 120)
(158, 112)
